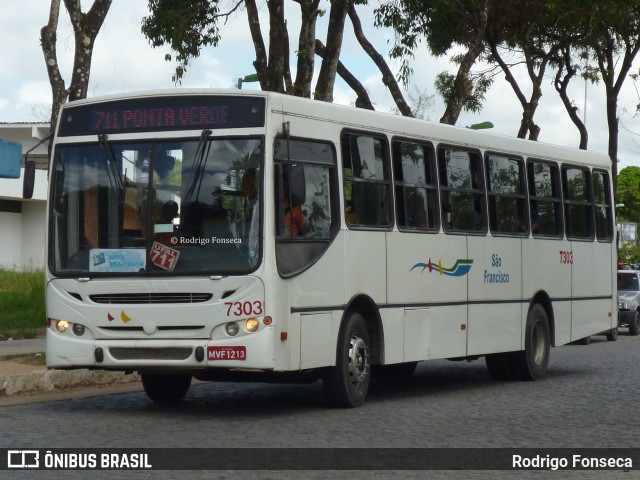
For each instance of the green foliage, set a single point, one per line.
(628, 193)
(629, 253)
(473, 103)
(185, 26)
(22, 308)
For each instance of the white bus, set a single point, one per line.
(235, 235)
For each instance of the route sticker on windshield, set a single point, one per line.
(117, 259)
(163, 256)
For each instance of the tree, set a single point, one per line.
(85, 29)
(536, 32)
(628, 193)
(443, 24)
(187, 27)
(566, 70)
(615, 42)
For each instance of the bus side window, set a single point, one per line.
(603, 204)
(507, 194)
(578, 202)
(367, 181)
(462, 190)
(545, 202)
(416, 192)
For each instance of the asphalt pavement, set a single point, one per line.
(22, 371)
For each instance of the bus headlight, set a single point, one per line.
(232, 329)
(251, 324)
(62, 326)
(78, 329)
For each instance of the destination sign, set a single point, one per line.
(185, 112)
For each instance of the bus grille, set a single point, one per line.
(175, 353)
(147, 298)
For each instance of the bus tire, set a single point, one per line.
(612, 335)
(346, 385)
(634, 324)
(498, 366)
(395, 370)
(531, 363)
(164, 387)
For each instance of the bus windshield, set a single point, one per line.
(156, 207)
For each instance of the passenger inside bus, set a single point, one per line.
(293, 218)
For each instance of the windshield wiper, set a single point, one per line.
(198, 166)
(115, 180)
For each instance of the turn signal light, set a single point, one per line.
(251, 324)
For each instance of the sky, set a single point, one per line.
(124, 61)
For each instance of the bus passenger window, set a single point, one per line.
(367, 181)
(303, 190)
(602, 198)
(545, 202)
(578, 205)
(507, 195)
(462, 190)
(416, 192)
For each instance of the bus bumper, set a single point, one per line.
(254, 351)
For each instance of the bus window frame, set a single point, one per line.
(522, 195)
(609, 206)
(305, 251)
(567, 203)
(401, 184)
(559, 199)
(387, 182)
(445, 190)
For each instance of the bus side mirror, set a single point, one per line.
(29, 179)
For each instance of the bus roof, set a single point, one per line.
(388, 123)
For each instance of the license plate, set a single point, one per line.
(227, 353)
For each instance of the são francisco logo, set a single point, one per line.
(459, 269)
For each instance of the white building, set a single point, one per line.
(22, 222)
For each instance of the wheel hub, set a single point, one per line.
(358, 360)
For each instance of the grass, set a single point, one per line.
(22, 311)
(36, 359)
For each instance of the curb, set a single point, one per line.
(51, 380)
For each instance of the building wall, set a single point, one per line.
(22, 235)
(11, 240)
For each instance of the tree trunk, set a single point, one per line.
(85, 30)
(387, 75)
(277, 36)
(363, 100)
(48, 37)
(607, 65)
(260, 63)
(306, 48)
(462, 85)
(329, 67)
(561, 84)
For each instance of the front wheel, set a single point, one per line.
(347, 384)
(165, 388)
(531, 363)
(612, 335)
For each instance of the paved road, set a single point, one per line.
(590, 399)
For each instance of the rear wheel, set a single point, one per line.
(634, 324)
(612, 335)
(585, 341)
(396, 370)
(531, 363)
(166, 388)
(347, 384)
(498, 366)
